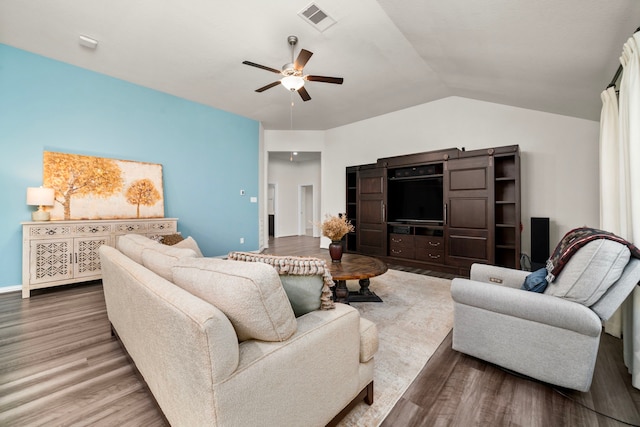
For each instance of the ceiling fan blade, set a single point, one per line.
(304, 94)
(302, 59)
(264, 67)
(335, 80)
(269, 86)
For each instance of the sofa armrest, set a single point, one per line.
(317, 372)
(368, 340)
(532, 306)
(508, 277)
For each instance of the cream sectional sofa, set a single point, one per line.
(244, 361)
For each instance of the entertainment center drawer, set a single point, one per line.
(401, 245)
(431, 255)
(401, 240)
(429, 242)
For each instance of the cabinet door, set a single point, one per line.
(469, 207)
(86, 257)
(371, 222)
(50, 260)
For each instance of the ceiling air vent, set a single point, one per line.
(315, 16)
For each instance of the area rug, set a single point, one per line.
(414, 318)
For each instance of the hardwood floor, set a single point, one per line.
(59, 365)
(456, 389)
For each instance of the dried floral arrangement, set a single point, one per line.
(336, 226)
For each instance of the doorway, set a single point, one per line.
(306, 209)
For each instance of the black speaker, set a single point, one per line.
(539, 242)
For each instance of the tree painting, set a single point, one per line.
(80, 176)
(142, 192)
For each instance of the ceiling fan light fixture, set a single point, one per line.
(292, 83)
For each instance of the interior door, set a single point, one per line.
(371, 216)
(469, 211)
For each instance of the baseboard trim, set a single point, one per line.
(7, 289)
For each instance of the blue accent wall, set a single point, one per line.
(207, 155)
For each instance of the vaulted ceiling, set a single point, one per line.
(548, 55)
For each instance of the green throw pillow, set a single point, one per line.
(304, 292)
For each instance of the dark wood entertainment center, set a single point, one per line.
(440, 210)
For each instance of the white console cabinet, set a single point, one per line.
(61, 252)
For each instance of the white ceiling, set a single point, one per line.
(549, 55)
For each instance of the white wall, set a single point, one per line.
(560, 156)
(288, 177)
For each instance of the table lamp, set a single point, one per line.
(40, 196)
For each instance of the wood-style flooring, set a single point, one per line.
(454, 389)
(59, 365)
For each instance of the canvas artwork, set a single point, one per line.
(88, 187)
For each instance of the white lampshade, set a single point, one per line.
(292, 82)
(40, 196)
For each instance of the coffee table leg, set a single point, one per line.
(364, 287)
(340, 292)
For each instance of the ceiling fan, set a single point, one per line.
(293, 73)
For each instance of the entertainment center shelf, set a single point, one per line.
(441, 210)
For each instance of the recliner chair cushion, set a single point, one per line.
(590, 272)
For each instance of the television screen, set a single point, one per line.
(415, 200)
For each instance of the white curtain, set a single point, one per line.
(610, 181)
(619, 198)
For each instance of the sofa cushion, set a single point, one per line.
(590, 272)
(161, 258)
(189, 243)
(249, 294)
(132, 245)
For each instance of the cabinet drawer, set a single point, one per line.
(131, 228)
(93, 229)
(429, 243)
(401, 240)
(402, 245)
(162, 227)
(402, 251)
(431, 255)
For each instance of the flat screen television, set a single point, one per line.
(415, 200)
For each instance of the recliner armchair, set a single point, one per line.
(546, 337)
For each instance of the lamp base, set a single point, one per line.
(40, 215)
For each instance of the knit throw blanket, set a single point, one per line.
(295, 266)
(574, 240)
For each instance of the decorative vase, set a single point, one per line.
(335, 250)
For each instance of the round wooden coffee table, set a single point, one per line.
(355, 267)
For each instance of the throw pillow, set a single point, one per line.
(249, 294)
(536, 281)
(189, 243)
(303, 292)
(172, 239)
(306, 280)
(161, 258)
(132, 245)
(590, 272)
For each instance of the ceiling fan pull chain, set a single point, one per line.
(291, 111)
